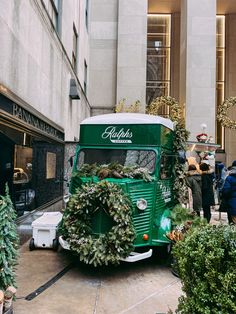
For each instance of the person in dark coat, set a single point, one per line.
(229, 192)
(224, 207)
(208, 199)
(194, 181)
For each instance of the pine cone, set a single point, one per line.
(104, 173)
(115, 174)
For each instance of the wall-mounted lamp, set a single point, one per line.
(157, 44)
(24, 139)
(74, 92)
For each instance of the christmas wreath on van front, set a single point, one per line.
(76, 229)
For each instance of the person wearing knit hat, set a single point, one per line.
(234, 163)
(194, 182)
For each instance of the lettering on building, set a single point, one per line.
(32, 120)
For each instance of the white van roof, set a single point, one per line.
(128, 118)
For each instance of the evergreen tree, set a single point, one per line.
(8, 241)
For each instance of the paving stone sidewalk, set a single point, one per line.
(146, 287)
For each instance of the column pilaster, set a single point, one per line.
(198, 64)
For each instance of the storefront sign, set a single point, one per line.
(31, 119)
(24, 115)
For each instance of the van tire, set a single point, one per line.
(31, 244)
(55, 244)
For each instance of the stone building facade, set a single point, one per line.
(181, 48)
(43, 95)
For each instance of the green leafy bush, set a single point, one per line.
(206, 264)
(180, 215)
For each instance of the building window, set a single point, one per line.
(86, 13)
(158, 58)
(85, 76)
(75, 48)
(32, 166)
(220, 73)
(52, 7)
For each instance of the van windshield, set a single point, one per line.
(125, 157)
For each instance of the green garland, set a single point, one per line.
(76, 226)
(114, 170)
(222, 113)
(180, 138)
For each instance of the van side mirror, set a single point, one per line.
(182, 157)
(71, 160)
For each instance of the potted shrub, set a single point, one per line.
(206, 263)
(183, 220)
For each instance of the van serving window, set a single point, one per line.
(125, 157)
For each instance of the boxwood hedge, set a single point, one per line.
(206, 263)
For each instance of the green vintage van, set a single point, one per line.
(136, 139)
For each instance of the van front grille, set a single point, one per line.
(142, 219)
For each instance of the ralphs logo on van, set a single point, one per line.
(117, 135)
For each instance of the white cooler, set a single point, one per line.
(44, 231)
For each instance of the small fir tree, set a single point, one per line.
(8, 241)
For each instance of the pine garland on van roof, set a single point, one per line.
(114, 170)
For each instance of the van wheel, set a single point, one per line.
(174, 269)
(55, 244)
(60, 248)
(31, 245)
(163, 254)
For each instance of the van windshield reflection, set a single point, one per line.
(125, 157)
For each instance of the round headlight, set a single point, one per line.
(141, 204)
